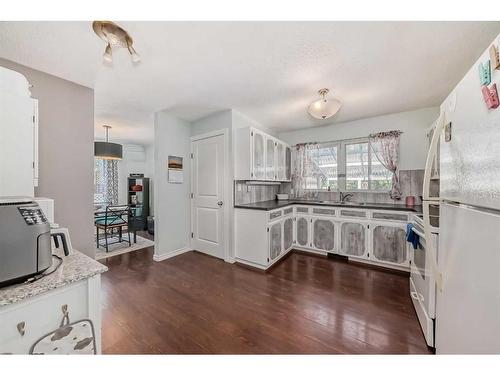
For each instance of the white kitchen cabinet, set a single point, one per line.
(42, 314)
(366, 235)
(323, 234)
(275, 240)
(18, 136)
(303, 231)
(262, 237)
(259, 156)
(288, 163)
(388, 243)
(271, 159)
(288, 233)
(280, 161)
(354, 239)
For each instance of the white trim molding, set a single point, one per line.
(171, 254)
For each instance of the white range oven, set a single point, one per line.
(422, 281)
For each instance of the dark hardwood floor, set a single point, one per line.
(194, 303)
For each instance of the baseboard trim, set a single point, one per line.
(182, 250)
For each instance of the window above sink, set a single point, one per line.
(347, 165)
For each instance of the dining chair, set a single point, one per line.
(115, 218)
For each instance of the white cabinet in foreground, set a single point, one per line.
(22, 323)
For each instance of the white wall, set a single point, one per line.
(172, 201)
(136, 159)
(413, 124)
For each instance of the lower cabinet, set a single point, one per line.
(389, 243)
(302, 231)
(275, 240)
(382, 241)
(353, 239)
(323, 234)
(288, 233)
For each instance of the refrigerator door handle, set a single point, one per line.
(431, 155)
(418, 233)
(430, 248)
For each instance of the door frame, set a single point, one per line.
(226, 189)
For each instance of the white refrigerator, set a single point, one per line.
(467, 271)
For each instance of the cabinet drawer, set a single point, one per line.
(273, 215)
(390, 216)
(324, 211)
(41, 315)
(302, 210)
(288, 211)
(352, 213)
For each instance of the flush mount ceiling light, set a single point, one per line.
(115, 37)
(324, 108)
(108, 150)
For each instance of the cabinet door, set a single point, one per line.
(302, 231)
(275, 241)
(389, 244)
(270, 159)
(353, 239)
(287, 234)
(323, 234)
(288, 163)
(280, 153)
(258, 156)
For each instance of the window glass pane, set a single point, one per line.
(381, 177)
(328, 165)
(357, 166)
(323, 170)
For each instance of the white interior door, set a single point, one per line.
(208, 196)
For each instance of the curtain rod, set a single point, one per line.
(344, 140)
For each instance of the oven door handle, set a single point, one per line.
(418, 233)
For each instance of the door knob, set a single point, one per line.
(220, 203)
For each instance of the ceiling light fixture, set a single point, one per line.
(324, 108)
(115, 37)
(108, 150)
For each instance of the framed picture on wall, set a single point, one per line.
(175, 170)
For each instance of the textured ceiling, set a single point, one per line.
(269, 71)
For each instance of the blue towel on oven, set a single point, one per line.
(411, 236)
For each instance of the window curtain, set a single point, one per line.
(106, 184)
(385, 146)
(305, 167)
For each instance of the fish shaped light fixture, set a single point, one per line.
(115, 37)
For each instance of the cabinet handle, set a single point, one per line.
(21, 327)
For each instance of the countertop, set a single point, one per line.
(75, 267)
(274, 204)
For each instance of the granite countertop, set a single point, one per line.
(75, 267)
(275, 204)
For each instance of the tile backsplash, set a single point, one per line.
(410, 180)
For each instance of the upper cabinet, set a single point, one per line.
(260, 156)
(19, 136)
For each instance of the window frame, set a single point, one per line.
(342, 166)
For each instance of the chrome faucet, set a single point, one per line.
(345, 197)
